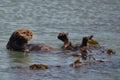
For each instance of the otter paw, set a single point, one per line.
(63, 36)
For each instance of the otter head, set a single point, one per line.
(24, 34)
(19, 39)
(63, 37)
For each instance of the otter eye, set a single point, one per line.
(24, 32)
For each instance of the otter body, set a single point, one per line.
(37, 47)
(19, 42)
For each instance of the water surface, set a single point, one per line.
(46, 18)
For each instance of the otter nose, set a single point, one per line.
(30, 36)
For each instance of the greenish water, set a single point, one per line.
(46, 18)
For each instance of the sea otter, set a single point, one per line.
(19, 42)
(69, 46)
(82, 47)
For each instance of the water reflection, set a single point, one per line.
(17, 68)
(18, 57)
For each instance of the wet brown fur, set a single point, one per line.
(69, 46)
(19, 42)
(19, 39)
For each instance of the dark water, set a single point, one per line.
(46, 18)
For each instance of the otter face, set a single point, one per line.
(23, 34)
(63, 36)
